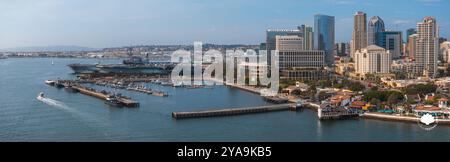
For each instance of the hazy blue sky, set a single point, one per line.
(106, 23)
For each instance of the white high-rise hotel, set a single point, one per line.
(427, 47)
(372, 60)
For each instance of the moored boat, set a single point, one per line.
(112, 100)
(50, 82)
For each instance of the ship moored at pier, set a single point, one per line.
(133, 65)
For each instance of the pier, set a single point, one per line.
(233, 111)
(337, 115)
(94, 93)
(327, 112)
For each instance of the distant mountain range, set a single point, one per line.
(49, 49)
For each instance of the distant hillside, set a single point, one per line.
(49, 49)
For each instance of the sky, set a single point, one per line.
(116, 23)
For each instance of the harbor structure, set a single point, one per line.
(233, 111)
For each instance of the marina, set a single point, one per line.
(153, 120)
(103, 95)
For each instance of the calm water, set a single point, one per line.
(76, 117)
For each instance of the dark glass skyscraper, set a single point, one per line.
(410, 32)
(324, 36)
(392, 41)
(376, 25)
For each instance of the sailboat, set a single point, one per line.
(53, 63)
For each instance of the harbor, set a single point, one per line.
(153, 120)
(103, 95)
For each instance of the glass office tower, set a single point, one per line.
(324, 36)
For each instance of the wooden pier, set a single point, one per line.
(92, 92)
(233, 111)
(337, 115)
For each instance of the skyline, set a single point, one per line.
(102, 23)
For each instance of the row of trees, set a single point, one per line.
(376, 97)
(421, 89)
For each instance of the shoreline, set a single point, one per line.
(369, 115)
(408, 119)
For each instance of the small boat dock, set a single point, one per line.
(125, 101)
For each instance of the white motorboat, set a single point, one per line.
(40, 96)
(50, 82)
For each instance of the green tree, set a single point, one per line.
(421, 89)
(392, 99)
(375, 101)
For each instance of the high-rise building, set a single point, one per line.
(392, 41)
(303, 65)
(375, 26)
(262, 46)
(308, 37)
(289, 42)
(412, 46)
(409, 32)
(341, 49)
(292, 54)
(271, 40)
(427, 47)
(290, 59)
(373, 60)
(442, 40)
(445, 51)
(324, 36)
(359, 36)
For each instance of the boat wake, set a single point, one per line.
(54, 103)
(85, 118)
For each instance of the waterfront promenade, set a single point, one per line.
(368, 115)
(381, 116)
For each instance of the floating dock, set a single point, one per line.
(233, 111)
